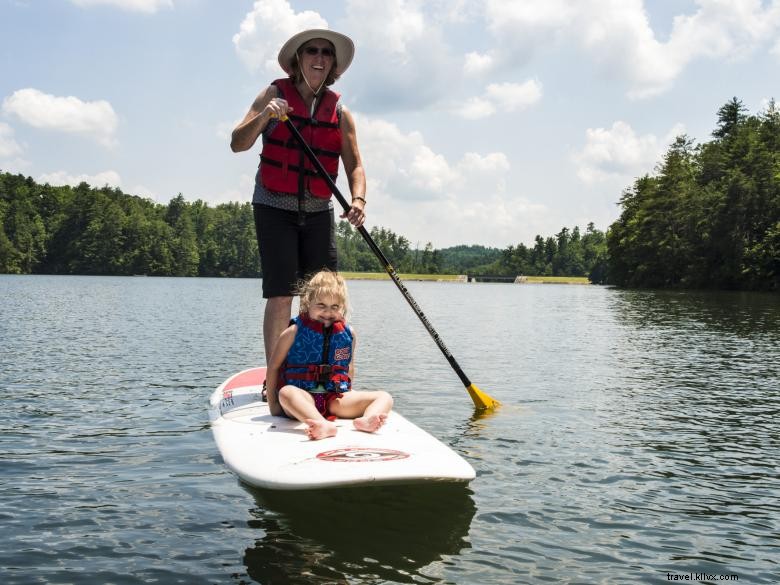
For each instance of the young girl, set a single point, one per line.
(310, 373)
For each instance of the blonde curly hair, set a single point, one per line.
(322, 284)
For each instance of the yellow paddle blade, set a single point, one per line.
(481, 400)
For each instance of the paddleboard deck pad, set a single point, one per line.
(275, 453)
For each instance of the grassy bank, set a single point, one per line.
(385, 276)
(557, 280)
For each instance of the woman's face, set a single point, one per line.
(316, 59)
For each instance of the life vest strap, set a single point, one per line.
(294, 168)
(314, 372)
(303, 121)
(295, 145)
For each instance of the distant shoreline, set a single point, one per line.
(454, 278)
(463, 278)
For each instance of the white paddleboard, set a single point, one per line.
(274, 452)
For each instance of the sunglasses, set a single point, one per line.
(325, 51)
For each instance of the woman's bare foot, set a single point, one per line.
(320, 429)
(370, 424)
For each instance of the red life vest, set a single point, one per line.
(282, 158)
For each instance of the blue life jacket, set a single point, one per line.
(319, 356)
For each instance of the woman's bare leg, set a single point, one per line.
(276, 318)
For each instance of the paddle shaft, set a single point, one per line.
(378, 253)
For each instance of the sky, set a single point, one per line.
(478, 121)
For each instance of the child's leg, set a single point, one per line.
(300, 404)
(368, 409)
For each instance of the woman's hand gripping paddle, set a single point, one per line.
(481, 400)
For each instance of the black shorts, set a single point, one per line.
(290, 252)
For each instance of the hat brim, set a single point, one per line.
(345, 48)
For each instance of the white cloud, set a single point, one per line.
(399, 54)
(59, 178)
(619, 38)
(66, 114)
(501, 97)
(402, 61)
(418, 192)
(475, 108)
(617, 34)
(266, 28)
(520, 27)
(494, 162)
(619, 152)
(148, 6)
(515, 96)
(490, 220)
(721, 28)
(477, 63)
(508, 15)
(453, 11)
(8, 145)
(402, 163)
(395, 26)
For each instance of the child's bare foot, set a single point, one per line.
(320, 429)
(370, 424)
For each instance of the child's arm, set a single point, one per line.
(272, 375)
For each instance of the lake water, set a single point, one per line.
(638, 441)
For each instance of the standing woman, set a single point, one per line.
(294, 216)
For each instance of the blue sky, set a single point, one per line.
(479, 122)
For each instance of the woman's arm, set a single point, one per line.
(267, 105)
(353, 167)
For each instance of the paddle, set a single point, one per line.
(481, 400)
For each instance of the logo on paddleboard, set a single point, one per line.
(361, 455)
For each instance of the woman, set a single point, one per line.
(293, 212)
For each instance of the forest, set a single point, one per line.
(708, 217)
(103, 231)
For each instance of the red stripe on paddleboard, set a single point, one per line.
(253, 377)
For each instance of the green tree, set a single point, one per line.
(24, 228)
(10, 258)
(730, 116)
(594, 253)
(186, 256)
(709, 216)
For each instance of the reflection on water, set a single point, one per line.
(735, 313)
(694, 417)
(375, 534)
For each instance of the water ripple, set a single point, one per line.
(638, 435)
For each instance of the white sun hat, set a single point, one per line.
(345, 48)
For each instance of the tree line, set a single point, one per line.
(568, 253)
(87, 230)
(710, 215)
